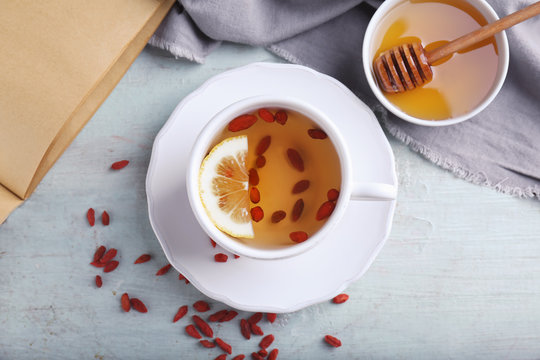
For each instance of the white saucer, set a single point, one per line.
(283, 285)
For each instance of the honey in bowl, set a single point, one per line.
(460, 82)
(283, 177)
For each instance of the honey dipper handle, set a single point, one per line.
(483, 33)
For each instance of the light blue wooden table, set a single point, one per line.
(459, 277)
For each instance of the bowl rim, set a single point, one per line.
(504, 58)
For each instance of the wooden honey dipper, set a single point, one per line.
(404, 67)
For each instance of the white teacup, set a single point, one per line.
(349, 189)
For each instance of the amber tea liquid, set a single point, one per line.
(459, 84)
(278, 176)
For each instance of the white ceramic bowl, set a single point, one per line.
(368, 53)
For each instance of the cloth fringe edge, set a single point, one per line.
(175, 50)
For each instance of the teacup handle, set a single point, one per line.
(373, 191)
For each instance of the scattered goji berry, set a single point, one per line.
(230, 315)
(262, 352)
(203, 326)
(192, 331)
(255, 318)
(91, 216)
(256, 356)
(217, 316)
(182, 311)
(124, 301)
(239, 357)
(221, 257)
(99, 253)
(340, 299)
(221, 357)
(223, 345)
(110, 266)
(255, 329)
(99, 281)
(119, 164)
(201, 306)
(213, 242)
(163, 270)
(273, 354)
(245, 329)
(142, 259)
(266, 341)
(105, 218)
(109, 255)
(271, 317)
(207, 344)
(138, 305)
(333, 341)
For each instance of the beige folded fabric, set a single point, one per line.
(59, 60)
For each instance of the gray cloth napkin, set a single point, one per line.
(499, 148)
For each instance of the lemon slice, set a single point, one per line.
(223, 187)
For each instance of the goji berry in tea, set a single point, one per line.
(298, 236)
(262, 352)
(317, 134)
(105, 218)
(300, 186)
(325, 210)
(142, 259)
(271, 317)
(255, 318)
(119, 164)
(273, 354)
(340, 299)
(91, 216)
(242, 122)
(221, 357)
(124, 301)
(256, 356)
(277, 216)
(260, 161)
(257, 213)
(253, 177)
(192, 331)
(332, 195)
(217, 316)
(254, 195)
(333, 341)
(207, 344)
(295, 159)
(266, 341)
(138, 305)
(201, 306)
(99, 281)
(263, 145)
(266, 115)
(182, 311)
(203, 326)
(239, 357)
(109, 255)
(255, 329)
(163, 270)
(281, 117)
(245, 329)
(110, 266)
(297, 210)
(223, 345)
(230, 315)
(99, 253)
(221, 257)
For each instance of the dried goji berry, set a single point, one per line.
(91, 216)
(340, 299)
(242, 122)
(221, 357)
(298, 236)
(221, 257)
(256, 356)
(142, 259)
(213, 242)
(207, 344)
(255, 318)
(201, 306)
(300, 186)
(109, 255)
(182, 311)
(257, 213)
(332, 194)
(245, 329)
(97, 264)
(262, 352)
(266, 341)
(295, 159)
(99, 253)
(182, 277)
(105, 218)
(335, 342)
(223, 345)
(203, 326)
(317, 134)
(297, 210)
(255, 329)
(253, 177)
(218, 316)
(260, 161)
(230, 315)
(239, 357)
(99, 281)
(138, 305)
(266, 115)
(281, 117)
(163, 270)
(124, 301)
(254, 195)
(271, 317)
(273, 354)
(119, 164)
(277, 216)
(110, 266)
(236, 256)
(263, 145)
(325, 210)
(192, 331)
